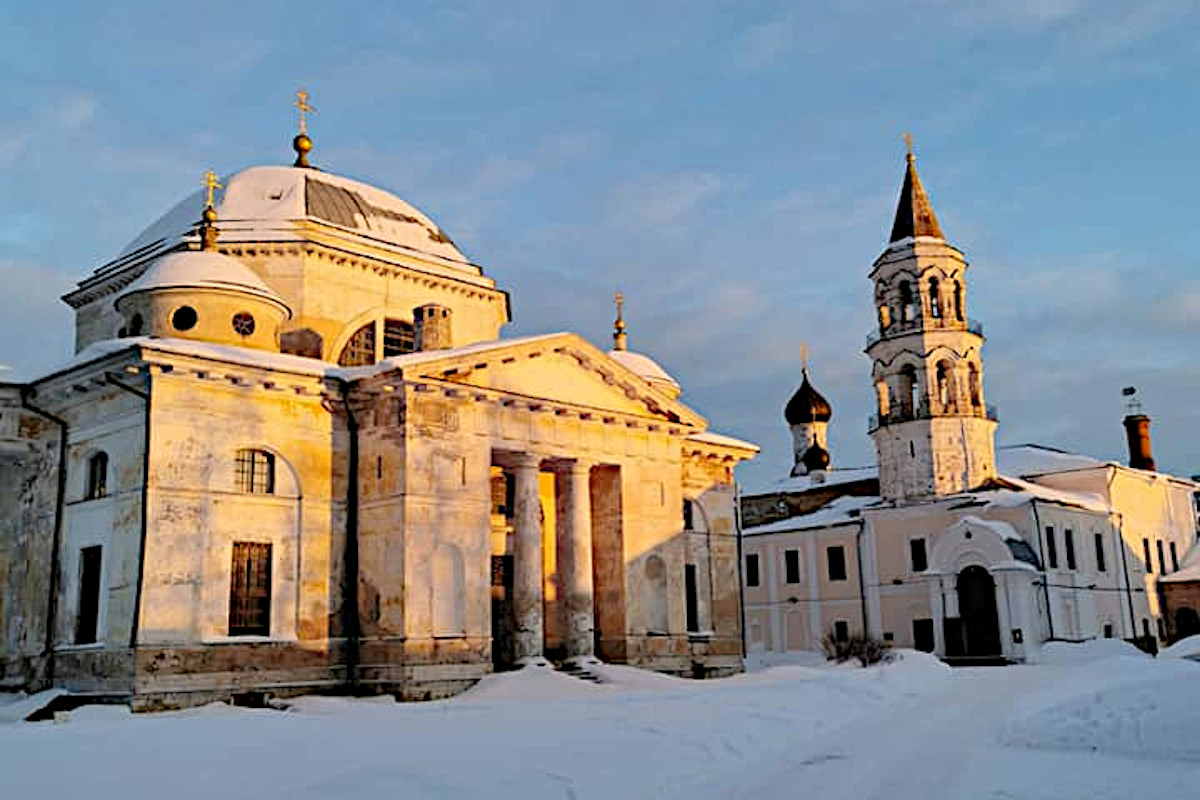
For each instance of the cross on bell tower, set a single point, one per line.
(933, 433)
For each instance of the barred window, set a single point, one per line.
(256, 472)
(360, 350)
(97, 478)
(250, 590)
(397, 338)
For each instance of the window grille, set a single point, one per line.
(397, 338)
(256, 472)
(250, 590)
(360, 350)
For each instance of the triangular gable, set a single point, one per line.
(560, 368)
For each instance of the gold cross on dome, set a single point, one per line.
(211, 184)
(908, 144)
(804, 357)
(304, 107)
(619, 299)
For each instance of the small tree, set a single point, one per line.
(865, 649)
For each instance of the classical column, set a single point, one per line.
(528, 605)
(576, 569)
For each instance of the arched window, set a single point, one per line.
(97, 477)
(397, 338)
(135, 325)
(958, 301)
(973, 383)
(910, 392)
(689, 516)
(256, 472)
(944, 389)
(360, 349)
(884, 400)
(906, 302)
(935, 299)
(885, 316)
(655, 599)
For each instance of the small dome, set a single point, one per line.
(648, 369)
(816, 458)
(202, 269)
(807, 405)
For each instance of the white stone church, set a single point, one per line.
(948, 544)
(293, 453)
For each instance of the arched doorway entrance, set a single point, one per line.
(977, 609)
(1187, 623)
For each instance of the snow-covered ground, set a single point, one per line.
(1089, 721)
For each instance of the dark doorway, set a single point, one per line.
(1187, 623)
(503, 624)
(977, 609)
(87, 623)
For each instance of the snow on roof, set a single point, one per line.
(642, 365)
(815, 480)
(708, 437)
(1001, 529)
(199, 269)
(1190, 570)
(266, 203)
(1034, 459)
(1025, 491)
(841, 511)
(425, 356)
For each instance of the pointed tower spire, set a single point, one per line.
(914, 212)
(619, 336)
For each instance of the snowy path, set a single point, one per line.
(1117, 728)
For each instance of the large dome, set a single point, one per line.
(275, 203)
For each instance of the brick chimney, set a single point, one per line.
(432, 327)
(1137, 431)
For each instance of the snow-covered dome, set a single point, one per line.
(276, 203)
(202, 269)
(648, 369)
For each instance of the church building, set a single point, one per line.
(949, 544)
(293, 453)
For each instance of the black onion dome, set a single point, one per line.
(816, 458)
(807, 405)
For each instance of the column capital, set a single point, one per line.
(579, 465)
(524, 461)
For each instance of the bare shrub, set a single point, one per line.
(856, 646)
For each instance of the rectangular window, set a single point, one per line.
(397, 338)
(88, 620)
(1101, 566)
(752, 569)
(1051, 548)
(250, 590)
(1162, 560)
(256, 471)
(837, 563)
(916, 549)
(1069, 544)
(1162, 629)
(689, 517)
(923, 635)
(693, 600)
(1174, 558)
(841, 630)
(1108, 631)
(1149, 565)
(97, 478)
(791, 565)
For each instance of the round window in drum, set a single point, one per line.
(184, 318)
(243, 323)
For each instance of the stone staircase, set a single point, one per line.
(579, 670)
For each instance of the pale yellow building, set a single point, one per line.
(292, 453)
(949, 544)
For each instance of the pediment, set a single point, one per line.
(560, 368)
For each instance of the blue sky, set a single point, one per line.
(731, 166)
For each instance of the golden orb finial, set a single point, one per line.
(619, 335)
(302, 144)
(208, 218)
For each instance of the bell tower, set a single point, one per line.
(933, 433)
